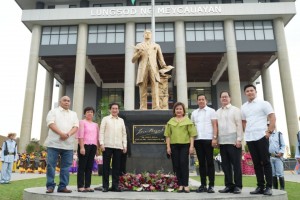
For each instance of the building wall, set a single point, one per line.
(90, 95)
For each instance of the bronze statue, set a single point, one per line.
(147, 54)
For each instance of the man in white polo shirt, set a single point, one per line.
(255, 115)
(205, 120)
(63, 124)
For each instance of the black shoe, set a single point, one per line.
(268, 191)
(210, 189)
(104, 189)
(237, 190)
(201, 189)
(226, 190)
(258, 190)
(98, 188)
(115, 189)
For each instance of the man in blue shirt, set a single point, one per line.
(8, 157)
(276, 149)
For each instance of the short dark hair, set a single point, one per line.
(199, 95)
(114, 103)
(178, 104)
(88, 109)
(224, 92)
(249, 85)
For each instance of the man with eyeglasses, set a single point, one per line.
(230, 132)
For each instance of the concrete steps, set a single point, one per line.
(38, 193)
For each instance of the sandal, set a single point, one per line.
(186, 189)
(180, 189)
(89, 190)
(81, 190)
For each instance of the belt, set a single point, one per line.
(274, 155)
(11, 154)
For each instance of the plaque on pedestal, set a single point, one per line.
(146, 141)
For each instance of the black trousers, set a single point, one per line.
(205, 155)
(231, 160)
(180, 161)
(259, 151)
(115, 154)
(123, 163)
(85, 166)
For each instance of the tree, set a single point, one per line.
(103, 109)
(34, 146)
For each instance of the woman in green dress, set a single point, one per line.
(180, 132)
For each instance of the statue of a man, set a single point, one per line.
(147, 54)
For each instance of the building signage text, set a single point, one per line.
(164, 10)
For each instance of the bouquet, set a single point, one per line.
(148, 182)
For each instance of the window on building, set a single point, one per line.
(72, 6)
(108, 5)
(148, 3)
(112, 33)
(51, 6)
(164, 32)
(202, 2)
(239, 1)
(113, 95)
(194, 92)
(254, 30)
(59, 35)
(226, 1)
(204, 31)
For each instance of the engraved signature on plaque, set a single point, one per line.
(148, 134)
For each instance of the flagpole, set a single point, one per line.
(153, 20)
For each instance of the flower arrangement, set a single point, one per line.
(148, 182)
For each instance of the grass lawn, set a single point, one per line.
(14, 191)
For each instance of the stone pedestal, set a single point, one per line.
(146, 143)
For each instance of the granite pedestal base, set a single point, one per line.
(147, 156)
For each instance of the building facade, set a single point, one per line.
(214, 45)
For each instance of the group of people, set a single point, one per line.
(64, 127)
(208, 129)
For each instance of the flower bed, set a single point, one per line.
(148, 182)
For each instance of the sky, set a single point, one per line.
(15, 41)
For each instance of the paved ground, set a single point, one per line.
(289, 176)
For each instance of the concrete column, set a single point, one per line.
(267, 85)
(61, 91)
(233, 67)
(30, 88)
(47, 105)
(286, 81)
(181, 76)
(79, 80)
(129, 83)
